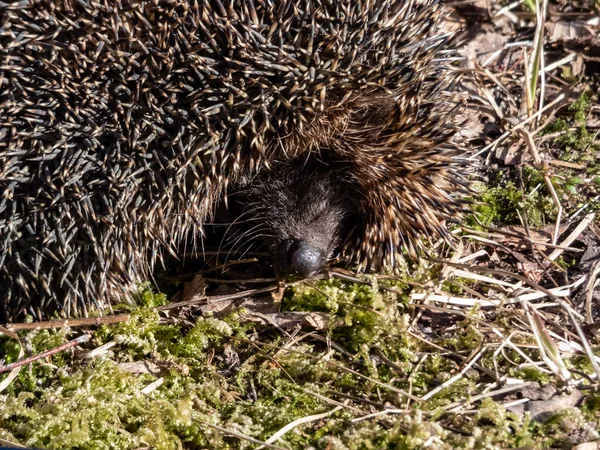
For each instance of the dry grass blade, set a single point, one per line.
(548, 350)
(239, 435)
(290, 426)
(590, 285)
(382, 413)
(456, 406)
(537, 63)
(475, 356)
(587, 220)
(586, 345)
(9, 444)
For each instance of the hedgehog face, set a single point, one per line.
(301, 211)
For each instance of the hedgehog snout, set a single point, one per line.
(299, 257)
(300, 211)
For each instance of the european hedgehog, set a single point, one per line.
(124, 122)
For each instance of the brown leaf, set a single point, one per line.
(565, 31)
(195, 289)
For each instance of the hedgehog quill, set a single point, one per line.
(123, 124)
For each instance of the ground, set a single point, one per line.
(490, 342)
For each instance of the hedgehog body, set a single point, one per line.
(123, 123)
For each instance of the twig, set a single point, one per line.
(97, 321)
(71, 323)
(75, 342)
(217, 298)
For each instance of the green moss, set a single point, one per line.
(496, 426)
(96, 407)
(244, 378)
(9, 349)
(581, 107)
(591, 407)
(146, 298)
(531, 374)
(499, 205)
(567, 426)
(576, 142)
(360, 312)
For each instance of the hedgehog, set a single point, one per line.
(123, 123)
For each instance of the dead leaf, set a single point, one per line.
(482, 47)
(564, 31)
(194, 290)
(139, 367)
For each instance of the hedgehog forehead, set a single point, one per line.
(301, 200)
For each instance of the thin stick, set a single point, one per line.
(75, 342)
(97, 321)
(72, 323)
(217, 298)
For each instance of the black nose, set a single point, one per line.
(299, 257)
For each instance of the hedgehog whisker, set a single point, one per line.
(238, 234)
(252, 242)
(247, 250)
(244, 213)
(236, 221)
(228, 224)
(238, 245)
(245, 235)
(249, 237)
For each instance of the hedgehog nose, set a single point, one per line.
(299, 257)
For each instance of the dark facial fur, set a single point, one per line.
(300, 210)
